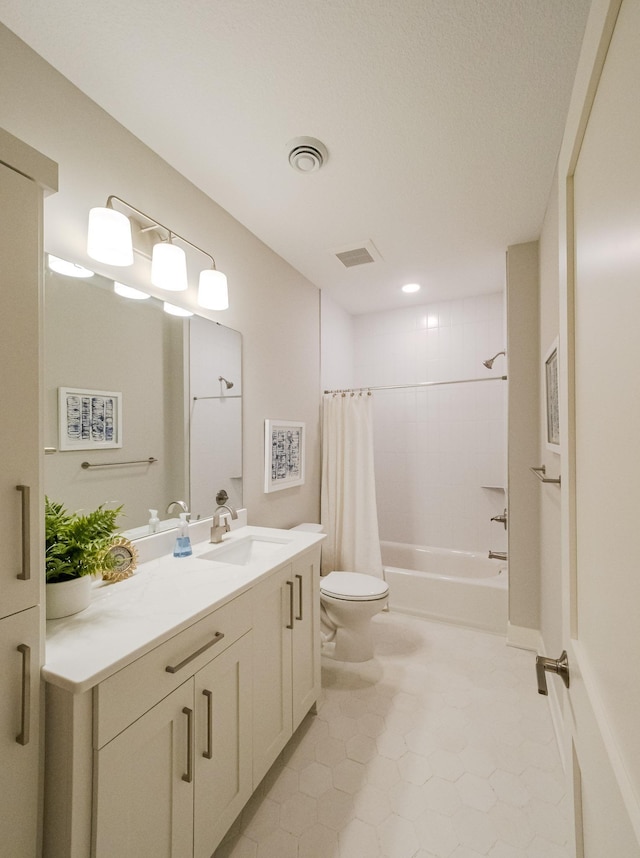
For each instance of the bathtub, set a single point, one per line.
(461, 587)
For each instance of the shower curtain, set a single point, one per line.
(348, 502)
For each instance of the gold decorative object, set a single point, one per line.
(125, 559)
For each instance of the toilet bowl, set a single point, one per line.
(348, 603)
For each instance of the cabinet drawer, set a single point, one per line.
(128, 694)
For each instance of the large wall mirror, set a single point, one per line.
(142, 407)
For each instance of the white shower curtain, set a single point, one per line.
(348, 504)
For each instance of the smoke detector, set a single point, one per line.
(306, 154)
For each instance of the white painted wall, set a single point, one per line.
(550, 546)
(435, 448)
(272, 305)
(524, 434)
(337, 346)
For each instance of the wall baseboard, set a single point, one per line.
(531, 639)
(524, 638)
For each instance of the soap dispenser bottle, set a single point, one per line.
(182, 547)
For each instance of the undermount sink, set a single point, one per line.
(245, 551)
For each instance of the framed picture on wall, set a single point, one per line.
(551, 398)
(89, 419)
(284, 443)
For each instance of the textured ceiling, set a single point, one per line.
(442, 118)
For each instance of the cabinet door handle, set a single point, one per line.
(25, 575)
(290, 586)
(299, 615)
(174, 668)
(208, 754)
(188, 777)
(23, 737)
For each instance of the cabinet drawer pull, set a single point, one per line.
(25, 575)
(174, 668)
(208, 754)
(290, 586)
(188, 777)
(23, 737)
(299, 615)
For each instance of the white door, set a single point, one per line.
(601, 444)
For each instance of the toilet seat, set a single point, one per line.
(353, 587)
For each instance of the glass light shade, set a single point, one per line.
(169, 267)
(176, 311)
(109, 237)
(129, 292)
(212, 290)
(69, 269)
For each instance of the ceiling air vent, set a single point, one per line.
(352, 256)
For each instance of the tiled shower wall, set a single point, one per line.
(440, 452)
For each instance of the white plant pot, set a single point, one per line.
(68, 597)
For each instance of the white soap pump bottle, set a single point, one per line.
(154, 521)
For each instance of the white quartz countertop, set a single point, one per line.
(164, 596)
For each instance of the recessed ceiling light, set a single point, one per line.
(411, 287)
(70, 269)
(129, 292)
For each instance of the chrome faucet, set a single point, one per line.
(220, 524)
(501, 518)
(179, 503)
(497, 555)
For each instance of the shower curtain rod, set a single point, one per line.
(417, 384)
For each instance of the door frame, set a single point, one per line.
(598, 33)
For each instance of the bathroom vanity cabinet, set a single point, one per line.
(25, 176)
(286, 627)
(159, 757)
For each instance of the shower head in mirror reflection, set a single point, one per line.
(229, 384)
(489, 362)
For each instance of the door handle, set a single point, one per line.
(291, 611)
(299, 614)
(552, 665)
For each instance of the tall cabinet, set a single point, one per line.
(25, 176)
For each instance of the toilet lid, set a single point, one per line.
(353, 586)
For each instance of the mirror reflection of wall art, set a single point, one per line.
(552, 399)
(284, 442)
(89, 419)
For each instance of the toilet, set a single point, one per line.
(348, 603)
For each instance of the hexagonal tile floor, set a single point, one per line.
(440, 747)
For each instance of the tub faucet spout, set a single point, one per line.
(497, 555)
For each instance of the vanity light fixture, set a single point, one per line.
(69, 269)
(129, 292)
(110, 240)
(176, 311)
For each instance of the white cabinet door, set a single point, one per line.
(223, 771)
(19, 733)
(273, 619)
(145, 781)
(306, 635)
(21, 255)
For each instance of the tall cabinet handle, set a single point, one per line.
(25, 575)
(208, 754)
(299, 614)
(188, 777)
(290, 586)
(23, 736)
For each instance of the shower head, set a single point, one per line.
(229, 384)
(489, 363)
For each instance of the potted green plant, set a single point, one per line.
(77, 548)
